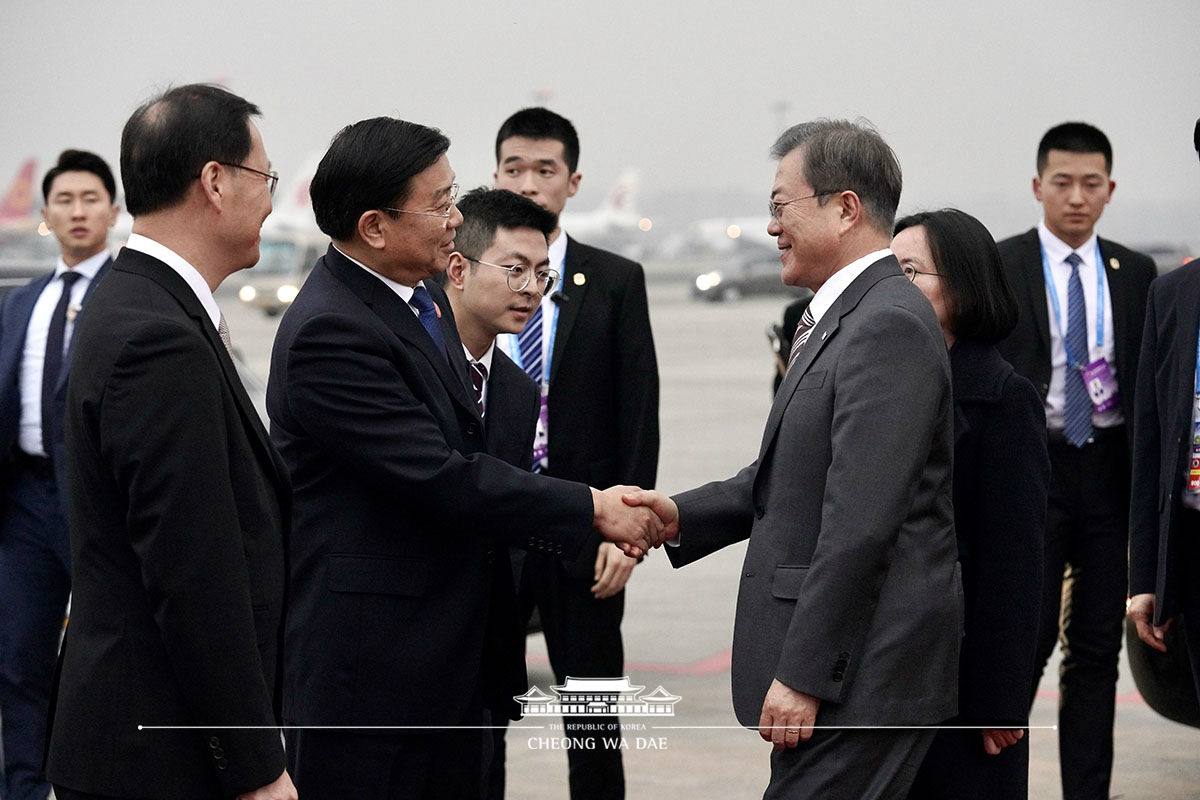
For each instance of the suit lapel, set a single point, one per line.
(398, 316)
(1119, 292)
(1188, 325)
(61, 388)
(1035, 283)
(150, 267)
(570, 300)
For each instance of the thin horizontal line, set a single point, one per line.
(333, 727)
(857, 727)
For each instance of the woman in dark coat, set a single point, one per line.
(1001, 475)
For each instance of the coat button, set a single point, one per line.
(837, 678)
(759, 511)
(223, 763)
(218, 753)
(472, 429)
(214, 742)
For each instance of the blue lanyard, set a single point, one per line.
(514, 348)
(1198, 363)
(1053, 287)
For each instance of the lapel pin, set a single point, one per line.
(72, 311)
(580, 279)
(437, 309)
(1114, 263)
(823, 335)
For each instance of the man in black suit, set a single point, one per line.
(591, 349)
(35, 563)
(398, 508)
(1164, 517)
(496, 276)
(178, 502)
(1078, 344)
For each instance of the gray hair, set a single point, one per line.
(840, 155)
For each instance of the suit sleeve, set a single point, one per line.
(352, 398)
(892, 393)
(1147, 455)
(713, 516)
(1011, 478)
(163, 430)
(637, 386)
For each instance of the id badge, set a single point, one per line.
(1193, 482)
(541, 438)
(1101, 386)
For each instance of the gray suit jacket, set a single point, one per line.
(851, 589)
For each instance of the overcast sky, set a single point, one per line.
(686, 92)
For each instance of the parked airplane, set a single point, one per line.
(616, 224)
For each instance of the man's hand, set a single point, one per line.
(612, 571)
(787, 716)
(634, 530)
(996, 739)
(1141, 611)
(662, 505)
(281, 788)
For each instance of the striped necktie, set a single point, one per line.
(1077, 415)
(530, 345)
(478, 380)
(803, 331)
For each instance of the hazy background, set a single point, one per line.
(690, 93)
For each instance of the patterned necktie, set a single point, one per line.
(1078, 412)
(52, 361)
(803, 330)
(223, 332)
(478, 379)
(427, 314)
(530, 345)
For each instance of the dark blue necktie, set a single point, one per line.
(530, 345)
(427, 313)
(1078, 411)
(52, 362)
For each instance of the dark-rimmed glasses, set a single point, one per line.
(777, 205)
(912, 272)
(443, 212)
(519, 276)
(272, 177)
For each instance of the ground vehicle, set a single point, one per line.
(285, 259)
(753, 272)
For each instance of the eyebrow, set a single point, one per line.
(550, 162)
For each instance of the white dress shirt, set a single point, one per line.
(405, 293)
(833, 287)
(33, 355)
(1056, 251)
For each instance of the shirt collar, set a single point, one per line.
(485, 359)
(832, 289)
(190, 275)
(405, 292)
(558, 253)
(1057, 250)
(87, 268)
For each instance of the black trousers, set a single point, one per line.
(583, 640)
(957, 767)
(1187, 536)
(1083, 601)
(863, 764)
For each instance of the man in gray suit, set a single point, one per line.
(850, 607)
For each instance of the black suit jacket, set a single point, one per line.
(1001, 478)
(177, 513)
(603, 414)
(397, 508)
(510, 424)
(1162, 435)
(1027, 348)
(15, 310)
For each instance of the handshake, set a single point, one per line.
(635, 520)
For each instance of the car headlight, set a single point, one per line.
(247, 294)
(708, 280)
(287, 293)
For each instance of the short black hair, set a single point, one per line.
(982, 305)
(486, 210)
(170, 138)
(1074, 137)
(840, 155)
(370, 165)
(542, 123)
(80, 161)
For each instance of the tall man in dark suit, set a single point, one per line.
(178, 502)
(590, 348)
(1164, 516)
(850, 606)
(398, 508)
(496, 276)
(36, 328)
(1083, 301)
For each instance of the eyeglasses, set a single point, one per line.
(911, 272)
(443, 212)
(519, 276)
(776, 206)
(272, 176)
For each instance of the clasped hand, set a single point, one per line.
(634, 519)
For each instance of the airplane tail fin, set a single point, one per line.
(622, 198)
(18, 199)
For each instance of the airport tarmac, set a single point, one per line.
(716, 370)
